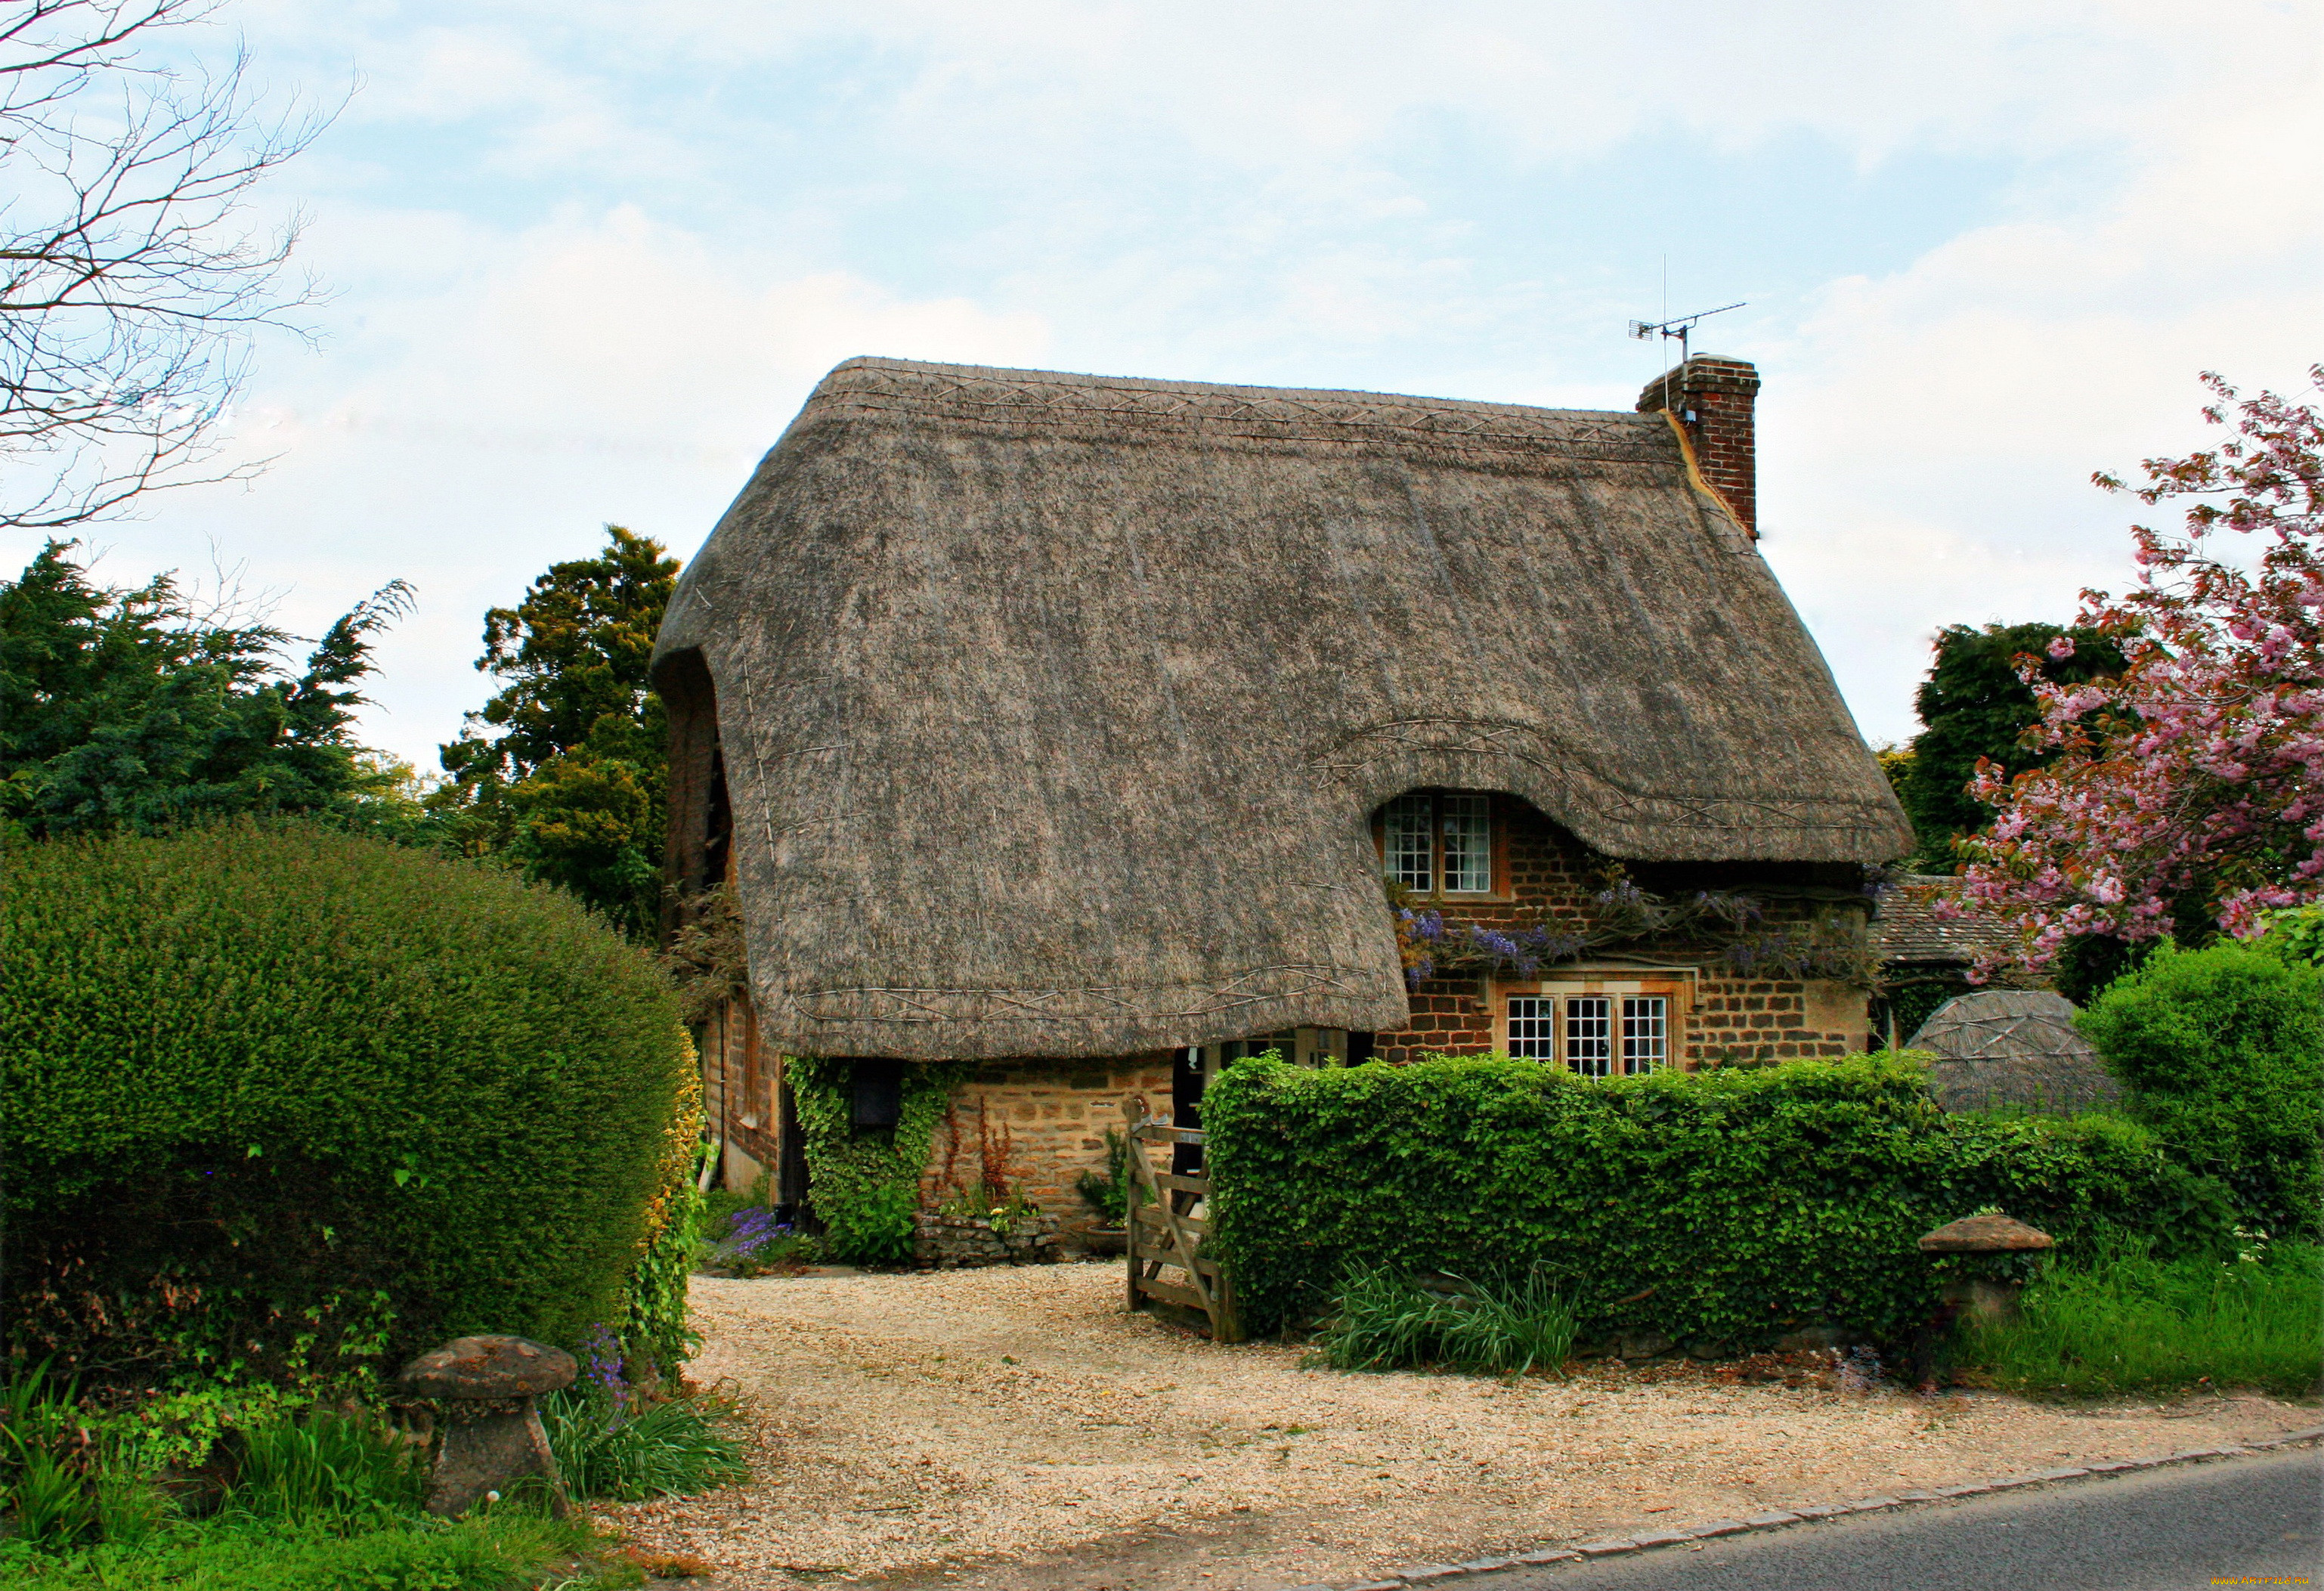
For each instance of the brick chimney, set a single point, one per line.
(1713, 398)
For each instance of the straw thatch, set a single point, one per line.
(1054, 707)
(2005, 1047)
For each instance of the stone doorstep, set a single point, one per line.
(1778, 1518)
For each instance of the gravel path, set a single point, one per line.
(930, 1429)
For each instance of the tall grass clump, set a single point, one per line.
(342, 1467)
(2125, 1321)
(1388, 1319)
(610, 1442)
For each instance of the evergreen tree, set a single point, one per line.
(1973, 704)
(131, 708)
(571, 788)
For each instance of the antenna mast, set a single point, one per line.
(1680, 326)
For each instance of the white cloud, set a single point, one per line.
(592, 370)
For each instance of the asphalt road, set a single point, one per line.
(2239, 1520)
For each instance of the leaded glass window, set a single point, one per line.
(1646, 1033)
(1589, 1035)
(1410, 859)
(1468, 838)
(1533, 1028)
(1439, 843)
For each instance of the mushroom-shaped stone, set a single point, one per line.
(498, 1440)
(1983, 1234)
(1985, 1297)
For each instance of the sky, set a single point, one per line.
(585, 261)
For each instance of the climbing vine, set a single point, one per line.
(1619, 912)
(865, 1186)
(655, 1337)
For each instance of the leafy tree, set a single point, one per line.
(1974, 707)
(2186, 793)
(571, 789)
(132, 708)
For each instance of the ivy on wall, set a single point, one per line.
(656, 1338)
(865, 1187)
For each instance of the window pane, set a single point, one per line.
(1533, 1028)
(1646, 1033)
(1589, 1035)
(1468, 844)
(1407, 860)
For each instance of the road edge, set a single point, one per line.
(1647, 1541)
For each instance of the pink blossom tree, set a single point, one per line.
(2188, 790)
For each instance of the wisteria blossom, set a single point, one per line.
(2190, 786)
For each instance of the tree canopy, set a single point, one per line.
(571, 788)
(2185, 796)
(135, 708)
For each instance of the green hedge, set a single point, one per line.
(1719, 1208)
(273, 1083)
(2222, 1052)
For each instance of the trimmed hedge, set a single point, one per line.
(2222, 1052)
(270, 1083)
(1719, 1207)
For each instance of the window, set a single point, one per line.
(1439, 843)
(1589, 1035)
(877, 1090)
(1646, 1033)
(1591, 1044)
(1533, 1028)
(1409, 859)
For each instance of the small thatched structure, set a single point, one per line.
(2014, 1048)
(1054, 708)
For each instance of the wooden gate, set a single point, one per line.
(1166, 1233)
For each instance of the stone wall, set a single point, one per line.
(1045, 1119)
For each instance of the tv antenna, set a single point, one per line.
(1679, 327)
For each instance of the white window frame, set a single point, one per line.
(1441, 842)
(1638, 1028)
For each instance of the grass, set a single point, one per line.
(2125, 1322)
(1388, 1320)
(499, 1551)
(625, 1448)
(332, 1501)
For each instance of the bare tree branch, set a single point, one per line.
(132, 277)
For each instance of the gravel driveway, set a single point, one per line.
(1016, 1428)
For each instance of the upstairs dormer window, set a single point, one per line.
(1439, 841)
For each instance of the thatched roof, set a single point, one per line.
(2013, 1047)
(1908, 932)
(1054, 707)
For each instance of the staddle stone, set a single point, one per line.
(488, 1449)
(490, 1367)
(1983, 1234)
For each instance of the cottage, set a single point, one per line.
(1093, 731)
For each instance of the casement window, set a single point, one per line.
(1595, 1035)
(1439, 843)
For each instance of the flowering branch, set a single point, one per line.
(2190, 786)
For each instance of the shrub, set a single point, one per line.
(285, 1097)
(2222, 1052)
(2124, 1321)
(1385, 1320)
(1108, 1196)
(1719, 1208)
